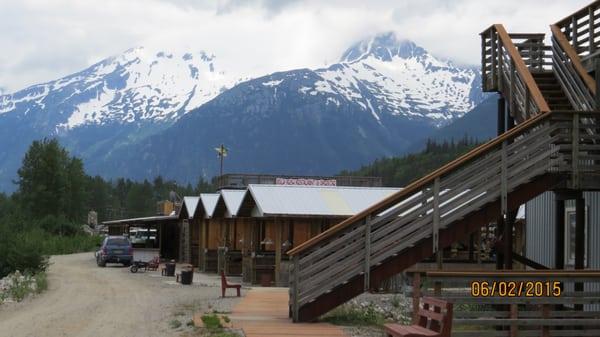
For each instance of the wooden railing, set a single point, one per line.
(516, 303)
(507, 68)
(582, 30)
(547, 143)
(580, 86)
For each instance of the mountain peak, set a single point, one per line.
(384, 47)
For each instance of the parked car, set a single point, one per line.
(142, 236)
(115, 249)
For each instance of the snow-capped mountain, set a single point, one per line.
(146, 112)
(137, 86)
(118, 101)
(385, 75)
(383, 95)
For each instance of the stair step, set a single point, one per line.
(556, 98)
(543, 74)
(553, 92)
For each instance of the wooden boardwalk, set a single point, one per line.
(263, 312)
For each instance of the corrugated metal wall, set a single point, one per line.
(593, 217)
(539, 213)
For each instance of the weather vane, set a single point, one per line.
(221, 153)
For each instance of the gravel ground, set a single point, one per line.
(85, 300)
(393, 307)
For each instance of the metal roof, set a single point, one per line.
(209, 201)
(315, 200)
(233, 200)
(143, 220)
(190, 204)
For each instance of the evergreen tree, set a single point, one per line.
(43, 179)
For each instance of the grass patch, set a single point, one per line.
(214, 328)
(41, 282)
(212, 322)
(350, 315)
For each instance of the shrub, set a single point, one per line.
(21, 251)
(57, 225)
(41, 282)
(27, 250)
(17, 286)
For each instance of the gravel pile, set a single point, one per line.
(392, 307)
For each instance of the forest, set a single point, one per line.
(400, 171)
(54, 195)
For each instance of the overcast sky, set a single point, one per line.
(42, 40)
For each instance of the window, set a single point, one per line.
(570, 222)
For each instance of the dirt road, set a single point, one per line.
(84, 300)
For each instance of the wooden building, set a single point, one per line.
(224, 234)
(273, 219)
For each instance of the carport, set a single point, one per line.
(166, 244)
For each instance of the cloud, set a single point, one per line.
(44, 40)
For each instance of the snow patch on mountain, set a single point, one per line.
(386, 75)
(140, 85)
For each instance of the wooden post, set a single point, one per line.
(575, 152)
(508, 242)
(159, 235)
(527, 104)
(367, 279)
(416, 295)
(499, 251)
(591, 33)
(579, 241)
(484, 74)
(512, 103)
(514, 313)
(503, 226)
(295, 292)
(494, 71)
(501, 115)
(436, 214)
(278, 243)
(439, 253)
(574, 34)
(597, 78)
(545, 314)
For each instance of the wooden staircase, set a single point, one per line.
(552, 91)
(555, 144)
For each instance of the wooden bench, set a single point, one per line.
(225, 285)
(434, 319)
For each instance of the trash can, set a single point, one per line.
(187, 276)
(169, 269)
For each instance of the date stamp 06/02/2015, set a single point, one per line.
(516, 289)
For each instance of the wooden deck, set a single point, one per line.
(263, 312)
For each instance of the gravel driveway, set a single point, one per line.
(85, 300)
